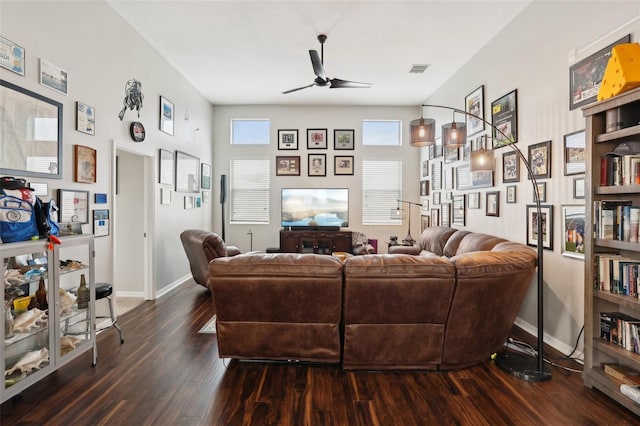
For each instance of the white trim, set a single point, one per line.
(136, 294)
(549, 340)
(177, 283)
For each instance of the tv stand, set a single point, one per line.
(320, 242)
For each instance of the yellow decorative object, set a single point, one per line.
(623, 71)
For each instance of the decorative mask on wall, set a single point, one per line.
(133, 97)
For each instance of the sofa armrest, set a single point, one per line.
(413, 250)
(233, 251)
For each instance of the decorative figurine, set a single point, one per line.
(30, 361)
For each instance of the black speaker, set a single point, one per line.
(223, 189)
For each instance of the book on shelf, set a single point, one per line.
(631, 391)
(619, 170)
(623, 373)
(612, 220)
(621, 330)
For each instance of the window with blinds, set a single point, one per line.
(381, 188)
(249, 191)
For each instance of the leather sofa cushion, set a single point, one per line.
(472, 242)
(435, 238)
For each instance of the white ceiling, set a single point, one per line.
(249, 52)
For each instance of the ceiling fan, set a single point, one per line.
(321, 79)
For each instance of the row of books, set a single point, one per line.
(616, 220)
(624, 170)
(617, 274)
(620, 329)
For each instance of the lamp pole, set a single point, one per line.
(409, 239)
(519, 364)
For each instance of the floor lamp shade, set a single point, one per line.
(454, 134)
(423, 132)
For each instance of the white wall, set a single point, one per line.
(100, 52)
(303, 118)
(531, 55)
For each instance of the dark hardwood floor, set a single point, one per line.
(166, 373)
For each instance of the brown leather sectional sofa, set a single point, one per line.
(448, 303)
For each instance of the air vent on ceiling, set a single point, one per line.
(418, 68)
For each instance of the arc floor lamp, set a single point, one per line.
(454, 134)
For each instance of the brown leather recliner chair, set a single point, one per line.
(201, 247)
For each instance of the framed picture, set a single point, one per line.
(448, 178)
(73, 206)
(316, 138)
(425, 222)
(510, 167)
(11, 56)
(100, 198)
(288, 139)
(165, 196)
(425, 168)
(101, 223)
(166, 167)
(578, 188)
(317, 165)
(474, 104)
(574, 146)
(540, 159)
(436, 175)
(458, 210)
(343, 165)
(85, 119)
(586, 75)
(435, 217)
(465, 151)
(436, 198)
(167, 115)
(205, 196)
(482, 179)
(448, 195)
(41, 189)
(463, 177)
(287, 166)
(445, 214)
(187, 172)
(438, 148)
(546, 217)
(189, 202)
(28, 107)
(53, 77)
(573, 226)
(479, 143)
(511, 194)
(451, 154)
(343, 139)
(541, 188)
(473, 200)
(493, 203)
(424, 201)
(424, 187)
(84, 170)
(504, 117)
(205, 176)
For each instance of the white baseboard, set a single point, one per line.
(548, 339)
(136, 294)
(160, 293)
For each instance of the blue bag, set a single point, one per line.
(17, 219)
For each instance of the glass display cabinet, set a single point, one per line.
(48, 315)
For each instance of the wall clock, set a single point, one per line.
(137, 131)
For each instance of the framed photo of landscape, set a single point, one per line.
(504, 117)
(474, 104)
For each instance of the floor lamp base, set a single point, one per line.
(522, 366)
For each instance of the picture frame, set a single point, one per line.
(343, 165)
(465, 151)
(73, 206)
(504, 116)
(100, 198)
(482, 179)
(53, 77)
(473, 200)
(29, 106)
(85, 119)
(167, 115)
(448, 178)
(287, 166)
(317, 164)
(424, 187)
(288, 139)
(205, 176)
(451, 154)
(437, 198)
(474, 104)
(425, 168)
(578, 188)
(316, 138)
(448, 195)
(424, 204)
(12, 56)
(511, 194)
(166, 167)
(458, 212)
(84, 167)
(586, 75)
(540, 160)
(435, 217)
(41, 189)
(542, 192)
(547, 226)
(510, 167)
(343, 139)
(205, 196)
(574, 145)
(463, 177)
(436, 175)
(187, 172)
(189, 202)
(438, 150)
(165, 196)
(425, 222)
(573, 230)
(445, 214)
(101, 223)
(492, 207)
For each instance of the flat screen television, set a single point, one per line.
(315, 208)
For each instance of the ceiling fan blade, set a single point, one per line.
(318, 68)
(298, 88)
(336, 83)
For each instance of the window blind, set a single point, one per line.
(381, 188)
(249, 191)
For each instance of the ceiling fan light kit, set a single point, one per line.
(321, 80)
